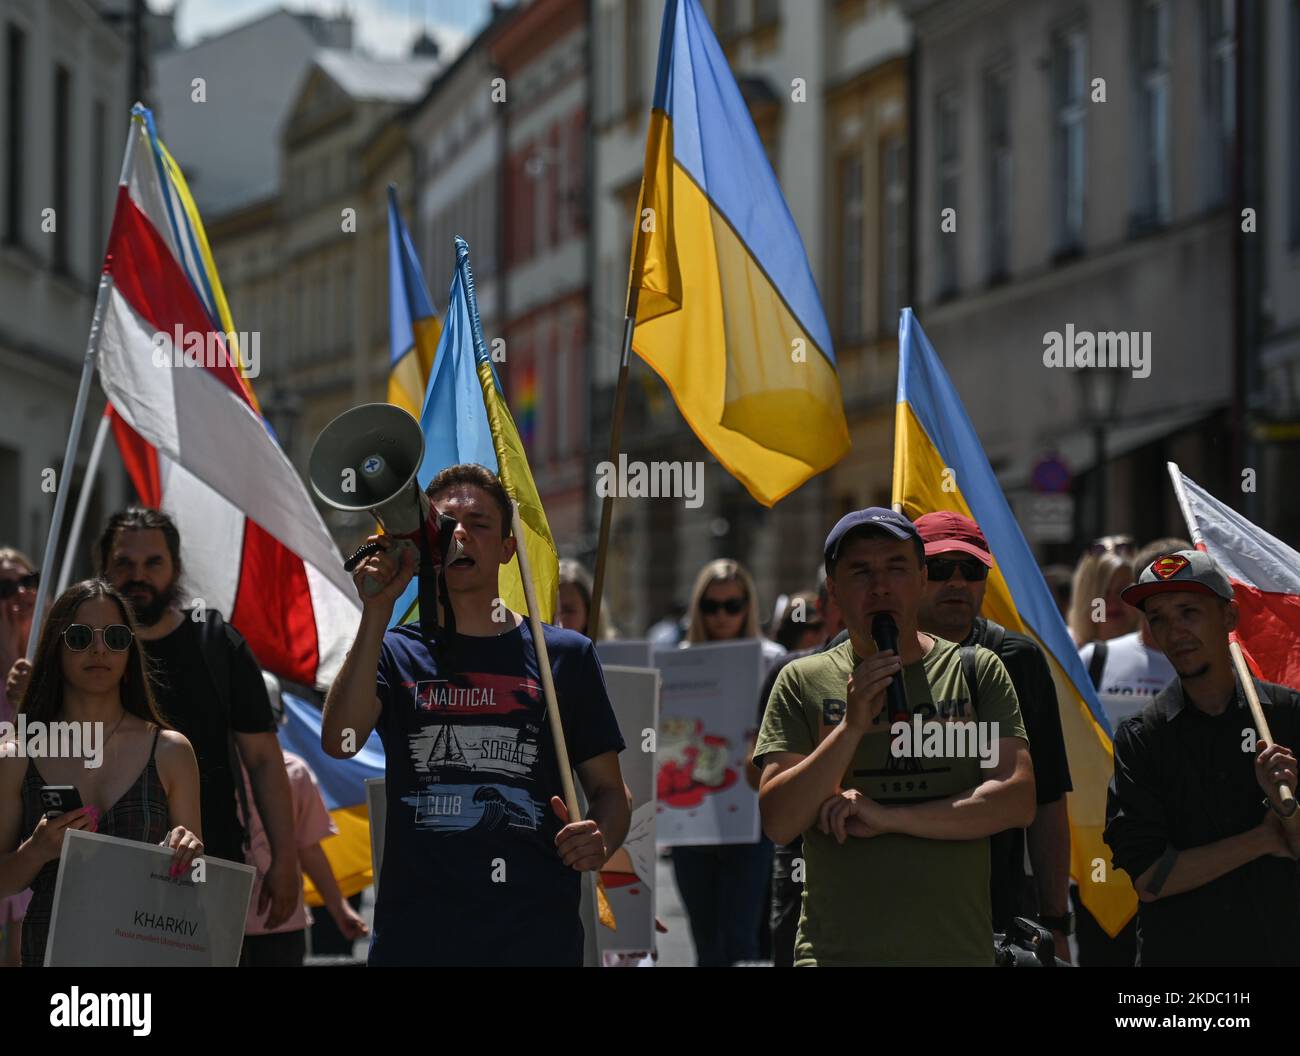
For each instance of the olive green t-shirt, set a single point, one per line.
(895, 899)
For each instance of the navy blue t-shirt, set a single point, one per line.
(471, 771)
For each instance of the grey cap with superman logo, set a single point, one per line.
(1188, 570)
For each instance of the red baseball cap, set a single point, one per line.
(945, 531)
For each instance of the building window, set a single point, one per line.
(632, 80)
(98, 182)
(563, 351)
(766, 12)
(540, 170)
(728, 23)
(893, 232)
(610, 102)
(1151, 83)
(851, 242)
(1220, 93)
(1069, 91)
(15, 112)
(1294, 97)
(997, 123)
(949, 158)
(62, 166)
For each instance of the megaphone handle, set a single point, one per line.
(372, 585)
(362, 552)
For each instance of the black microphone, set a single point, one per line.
(884, 632)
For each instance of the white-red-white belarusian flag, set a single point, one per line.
(253, 545)
(1265, 575)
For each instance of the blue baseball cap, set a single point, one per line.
(873, 517)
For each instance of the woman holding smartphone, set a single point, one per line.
(143, 781)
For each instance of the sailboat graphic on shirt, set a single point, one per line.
(447, 752)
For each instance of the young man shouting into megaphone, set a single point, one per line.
(481, 862)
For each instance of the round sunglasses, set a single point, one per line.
(733, 606)
(116, 637)
(972, 571)
(1120, 545)
(10, 587)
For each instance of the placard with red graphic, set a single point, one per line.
(707, 710)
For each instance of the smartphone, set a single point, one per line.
(60, 799)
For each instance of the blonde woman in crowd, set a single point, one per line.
(724, 887)
(1104, 570)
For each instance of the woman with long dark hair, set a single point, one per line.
(89, 669)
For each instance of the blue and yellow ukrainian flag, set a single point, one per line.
(939, 464)
(413, 326)
(465, 419)
(726, 309)
(343, 787)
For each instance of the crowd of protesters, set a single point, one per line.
(850, 868)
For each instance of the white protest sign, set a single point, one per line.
(116, 906)
(630, 652)
(377, 805)
(708, 710)
(629, 875)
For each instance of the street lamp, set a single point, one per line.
(1099, 390)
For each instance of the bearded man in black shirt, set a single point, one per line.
(209, 686)
(1212, 861)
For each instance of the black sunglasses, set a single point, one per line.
(117, 637)
(10, 587)
(734, 606)
(1120, 545)
(941, 568)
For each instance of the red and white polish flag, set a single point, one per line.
(1265, 575)
(253, 545)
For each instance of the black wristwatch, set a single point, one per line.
(1064, 924)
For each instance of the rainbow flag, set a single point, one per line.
(939, 464)
(727, 312)
(343, 787)
(527, 405)
(413, 325)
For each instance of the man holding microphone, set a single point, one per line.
(896, 844)
(481, 861)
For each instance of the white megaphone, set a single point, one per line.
(367, 459)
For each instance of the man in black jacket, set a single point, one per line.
(1213, 861)
(958, 561)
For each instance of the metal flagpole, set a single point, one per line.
(1180, 493)
(78, 412)
(83, 504)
